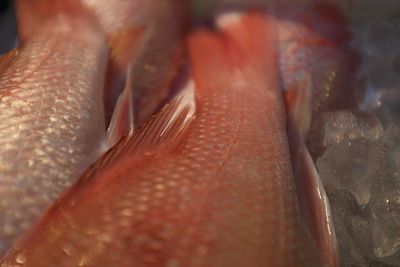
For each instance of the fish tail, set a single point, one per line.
(33, 14)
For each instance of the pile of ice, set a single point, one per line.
(360, 163)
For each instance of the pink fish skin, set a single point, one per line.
(51, 112)
(215, 189)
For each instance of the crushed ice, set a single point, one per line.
(360, 161)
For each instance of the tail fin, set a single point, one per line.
(31, 14)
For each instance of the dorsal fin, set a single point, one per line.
(165, 129)
(122, 119)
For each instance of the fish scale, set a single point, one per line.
(52, 87)
(42, 148)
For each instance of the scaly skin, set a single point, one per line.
(51, 116)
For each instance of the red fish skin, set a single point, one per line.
(220, 193)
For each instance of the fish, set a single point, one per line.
(206, 182)
(318, 70)
(146, 37)
(51, 112)
(88, 113)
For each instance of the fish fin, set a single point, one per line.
(122, 119)
(32, 14)
(298, 106)
(315, 207)
(187, 96)
(163, 130)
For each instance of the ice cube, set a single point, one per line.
(385, 222)
(353, 154)
(352, 229)
(385, 204)
(344, 126)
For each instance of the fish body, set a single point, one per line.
(212, 189)
(51, 112)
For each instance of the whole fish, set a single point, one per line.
(148, 36)
(212, 189)
(51, 111)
